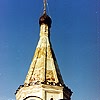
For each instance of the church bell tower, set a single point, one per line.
(44, 81)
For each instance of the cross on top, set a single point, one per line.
(44, 6)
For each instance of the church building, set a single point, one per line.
(44, 80)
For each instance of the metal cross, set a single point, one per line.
(44, 6)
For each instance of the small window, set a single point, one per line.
(51, 99)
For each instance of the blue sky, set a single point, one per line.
(75, 37)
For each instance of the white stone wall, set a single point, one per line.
(43, 92)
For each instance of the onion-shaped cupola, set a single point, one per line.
(45, 19)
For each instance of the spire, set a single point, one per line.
(44, 67)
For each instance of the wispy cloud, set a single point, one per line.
(11, 99)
